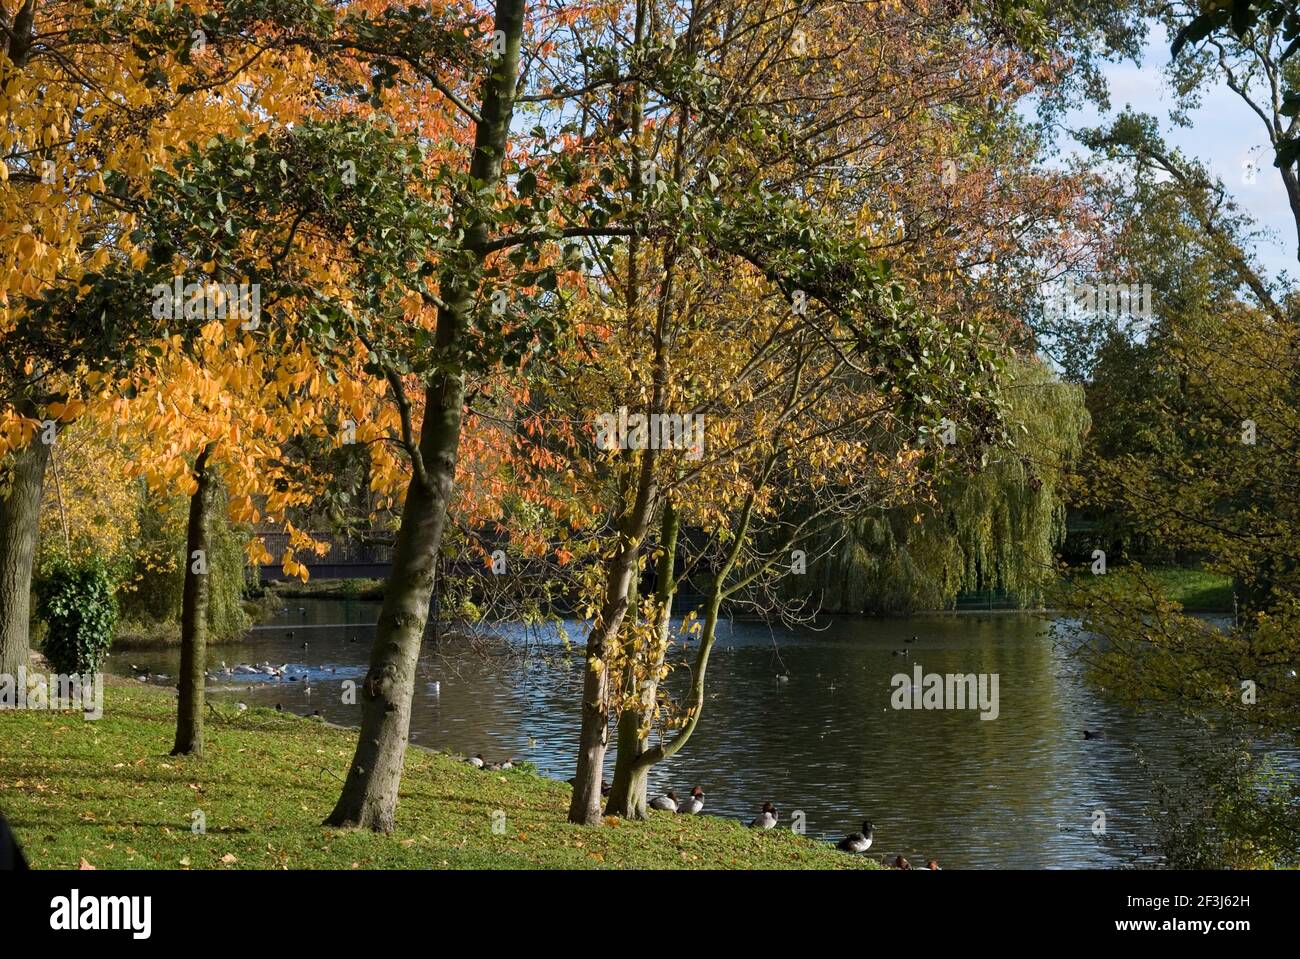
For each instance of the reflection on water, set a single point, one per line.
(1018, 791)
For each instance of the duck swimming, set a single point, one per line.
(766, 819)
(667, 802)
(857, 842)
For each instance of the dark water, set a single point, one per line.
(1016, 791)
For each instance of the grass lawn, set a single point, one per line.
(106, 794)
(1195, 589)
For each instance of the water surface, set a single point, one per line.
(1017, 791)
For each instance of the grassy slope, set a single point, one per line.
(106, 792)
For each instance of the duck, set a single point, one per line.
(692, 805)
(782, 678)
(1090, 734)
(857, 842)
(901, 652)
(901, 863)
(912, 640)
(477, 761)
(279, 708)
(765, 819)
(498, 767)
(241, 706)
(667, 802)
(932, 865)
(435, 688)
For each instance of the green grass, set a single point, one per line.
(107, 794)
(1195, 588)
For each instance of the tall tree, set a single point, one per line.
(369, 795)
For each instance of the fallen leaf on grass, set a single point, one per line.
(85, 864)
(229, 857)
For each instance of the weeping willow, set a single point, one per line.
(154, 586)
(997, 529)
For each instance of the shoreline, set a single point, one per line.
(267, 779)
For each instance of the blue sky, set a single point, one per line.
(1225, 135)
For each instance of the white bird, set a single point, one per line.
(692, 805)
(477, 761)
(667, 802)
(241, 706)
(766, 819)
(435, 688)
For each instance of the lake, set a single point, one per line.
(1018, 791)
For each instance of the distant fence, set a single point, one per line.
(987, 599)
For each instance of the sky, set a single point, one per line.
(1225, 135)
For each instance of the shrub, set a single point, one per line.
(76, 600)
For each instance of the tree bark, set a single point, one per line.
(20, 513)
(369, 796)
(627, 795)
(194, 611)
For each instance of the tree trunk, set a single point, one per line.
(194, 611)
(369, 796)
(627, 796)
(20, 513)
(593, 735)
